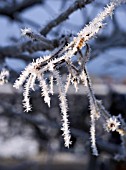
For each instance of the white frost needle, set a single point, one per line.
(83, 78)
(93, 138)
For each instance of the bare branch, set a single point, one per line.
(63, 16)
(29, 46)
(11, 10)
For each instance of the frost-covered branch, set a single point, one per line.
(64, 109)
(76, 73)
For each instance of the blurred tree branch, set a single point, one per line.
(64, 15)
(104, 146)
(16, 50)
(29, 46)
(10, 10)
(112, 41)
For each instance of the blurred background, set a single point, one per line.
(33, 141)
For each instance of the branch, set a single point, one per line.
(29, 46)
(78, 4)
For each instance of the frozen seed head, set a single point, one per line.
(26, 31)
(112, 124)
(4, 75)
